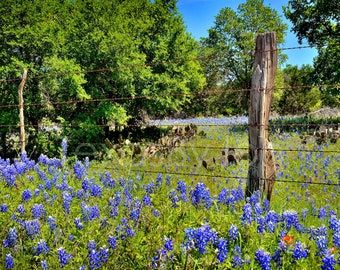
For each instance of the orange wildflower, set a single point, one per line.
(332, 250)
(288, 239)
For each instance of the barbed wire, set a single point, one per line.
(201, 93)
(216, 176)
(166, 62)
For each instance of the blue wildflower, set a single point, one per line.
(44, 265)
(201, 237)
(95, 190)
(12, 238)
(201, 194)
(328, 262)
(67, 199)
(3, 208)
(247, 215)
(41, 248)
(174, 198)
(9, 262)
(321, 243)
(322, 213)
(38, 211)
(300, 251)
(147, 201)
(263, 258)
(26, 195)
(222, 250)
(21, 209)
(233, 232)
(63, 256)
(182, 190)
(112, 242)
(290, 218)
(79, 169)
(336, 239)
(64, 146)
(52, 223)
(32, 227)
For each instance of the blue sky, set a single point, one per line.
(199, 16)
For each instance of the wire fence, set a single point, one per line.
(178, 124)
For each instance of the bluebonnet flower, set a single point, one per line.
(167, 180)
(162, 254)
(63, 256)
(255, 197)
(322, 213)
(32, 227)
(334, 223)
(52, 223)
(261, 225)
(182, 190)
(147, 200)
(41, 248)
(156, 213)
(9, 172)
(9, 262)
(78, 223)
(44, 264)
(222, 196)
(321, 243)
(233, 232)
(79, 169)
(328, 262)
(263, 258)
(85, 184)
(247, 215)
(12, 238)
(21, 209)
(3, 208)
(237, 260)
(26, 195)
(258, 209)
(38, 211)
(321, 231)
(290, 218)
(300, 251)
(272, 219)
(150, 188)
(36, 192)
(277, 258)
(67, 199)
(103, 255)
(222, 248)
(64, 146)
(304, 213)
(174, 198)
(95, 190)
(266, 205)
(89, 213)
(112, 242)
(336, 239)
(159, 180)
(201, 194)
(200, 237)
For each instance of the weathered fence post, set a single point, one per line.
(261, 173)
(21, 112)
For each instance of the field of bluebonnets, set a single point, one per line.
(170, 212)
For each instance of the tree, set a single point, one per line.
(297, 99)
(318, 23)
(229, 44)
(108, 50)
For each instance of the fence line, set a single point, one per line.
(166, 62)
(217, 176)
(207, 93)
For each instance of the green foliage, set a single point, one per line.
(297, 99)
(140, 47)
(233, 35)
(318, 23)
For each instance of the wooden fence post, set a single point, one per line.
(261, 172)
(21, 112)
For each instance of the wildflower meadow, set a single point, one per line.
(170, 212)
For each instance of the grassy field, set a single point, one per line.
(170, 212)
